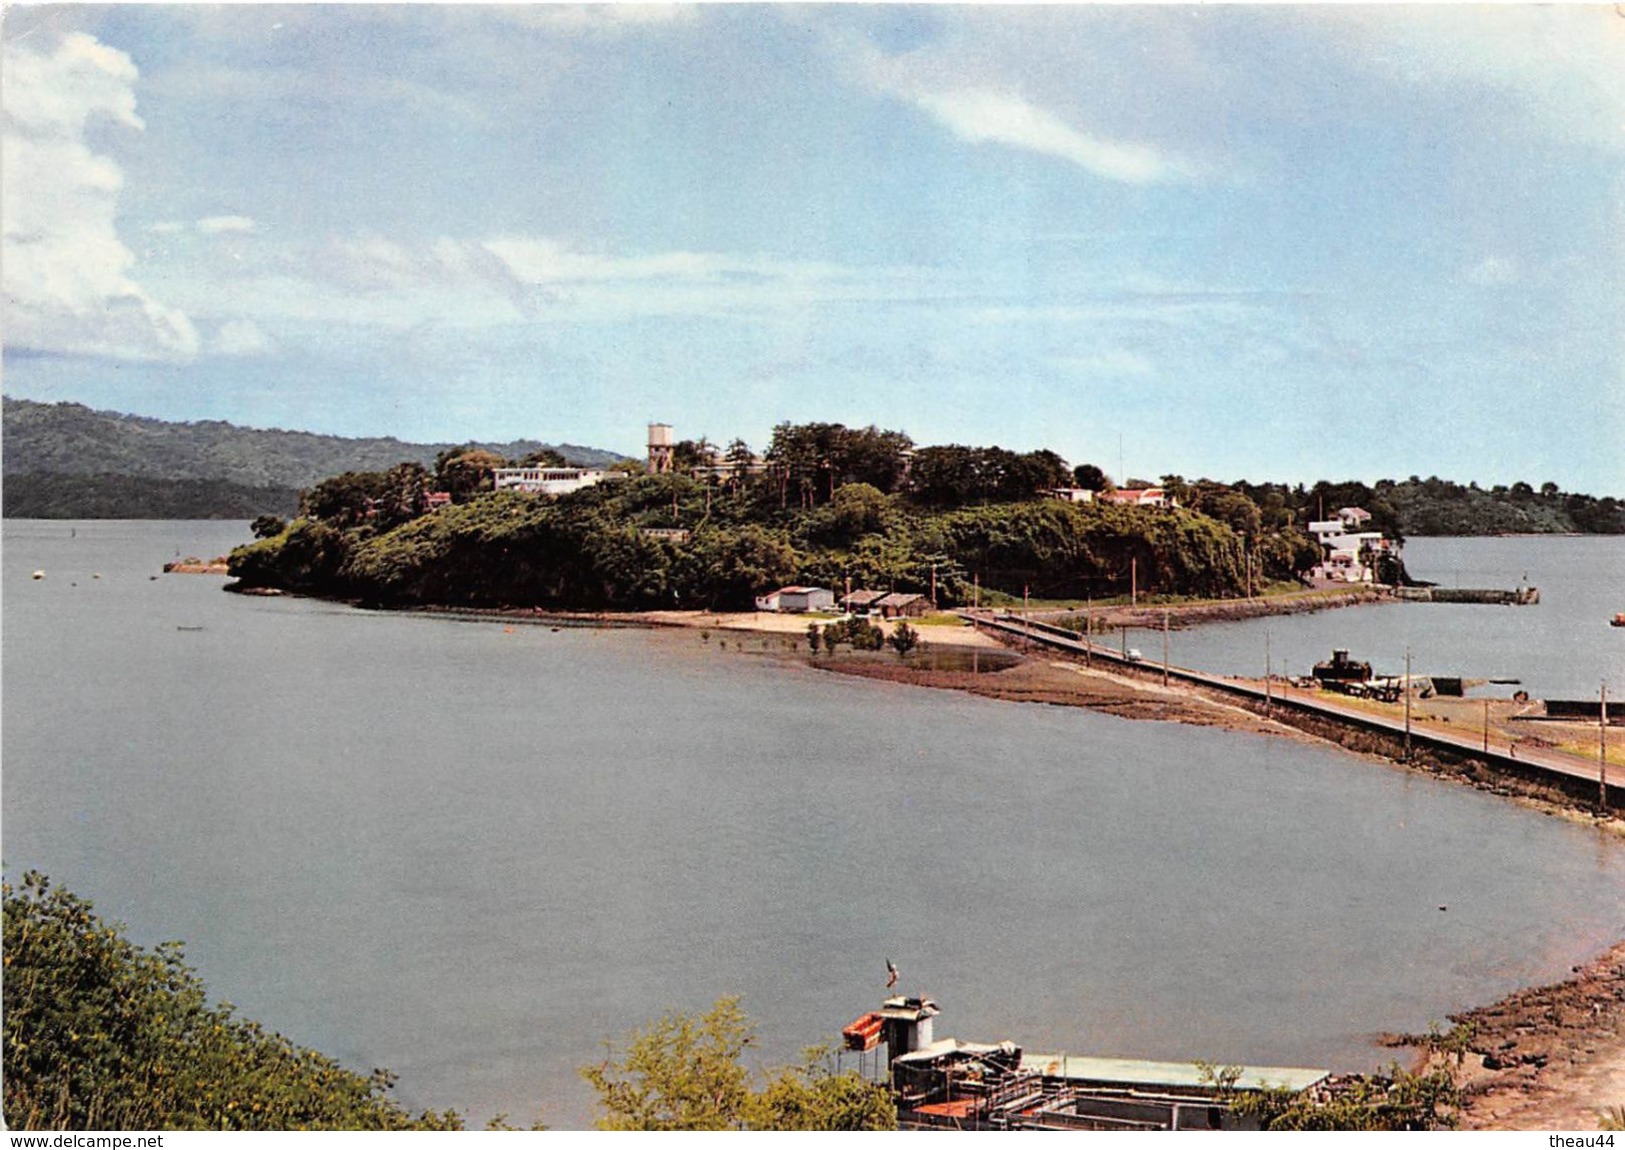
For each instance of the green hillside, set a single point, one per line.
(64, 460)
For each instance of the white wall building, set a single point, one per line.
(1348, 553)
(549, 480)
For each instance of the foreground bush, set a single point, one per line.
(686, 1073)
(101, 1034)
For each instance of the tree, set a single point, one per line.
(812, 1097)
(344, 499)
(467, 471)
(267, 526)
(1090, 477)
(682, 1073)
(903, 638)
(686, 1073)
(103, 1035)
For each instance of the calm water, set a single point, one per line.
(1562, 647)
(471, 854)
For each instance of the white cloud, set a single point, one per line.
(216, 225)
(240, 337)
(980, 115)
(1564, 62)
(66, 273)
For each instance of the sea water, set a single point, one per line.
(472, 852)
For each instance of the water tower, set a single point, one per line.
(661, 444)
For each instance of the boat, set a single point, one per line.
(1341, 669)
(1618, 620)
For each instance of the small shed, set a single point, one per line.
(862, 602)
(899, 605)
(795, 600)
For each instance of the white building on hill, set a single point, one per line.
(549, 480)
(1349, 555)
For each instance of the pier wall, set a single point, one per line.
(1492, 770)
(1517, 597)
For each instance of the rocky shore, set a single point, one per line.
(1550, 1057)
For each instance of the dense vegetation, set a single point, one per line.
(813, 512)
(1436, 506)
(50, 441)
(103, 1035)
(687, 1073)
(64, 460)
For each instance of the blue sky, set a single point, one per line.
(1268, 242)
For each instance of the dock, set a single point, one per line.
(1517, 597)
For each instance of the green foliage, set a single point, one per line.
(101, 1034)
(682, 1073)
(466, 473)
(1398, 1101)
(808, 462)
(856, 632)
(813, 1096)
(903, 638)
(267, 526)
(686, 1073)
(956, 476)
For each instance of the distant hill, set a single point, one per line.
(64, 460)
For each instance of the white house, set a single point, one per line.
(549, 480)
(1348, 554)
(795, 600)
(1139, 497)
(1073, 494)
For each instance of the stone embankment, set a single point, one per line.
(1182, 615)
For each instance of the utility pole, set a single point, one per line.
(1026, 636)
(1269, 672)
(1602, 750)
(1134, 581)
(1088, 629)
(1165, 647)
(1407, 704)
(1486, 726)
(933, 585)
(976, 592)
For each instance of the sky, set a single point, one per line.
(1263, 242)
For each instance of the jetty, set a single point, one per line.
(1524, 596)
(1305, 704)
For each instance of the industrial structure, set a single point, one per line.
(662, 449)
(948, 1084)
